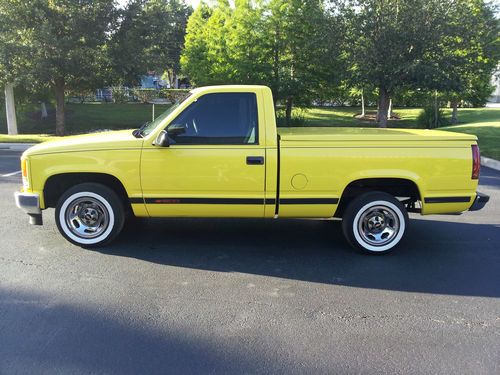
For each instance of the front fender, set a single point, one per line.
(122, 164)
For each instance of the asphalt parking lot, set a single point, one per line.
(248, 296)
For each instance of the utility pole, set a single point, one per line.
(10, 109)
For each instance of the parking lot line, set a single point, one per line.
(11, 174)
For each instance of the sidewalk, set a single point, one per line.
(490, 163)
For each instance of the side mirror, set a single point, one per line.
(162, 139)
(174, 130)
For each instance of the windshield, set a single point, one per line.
(150, 126)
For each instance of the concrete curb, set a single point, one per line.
(490, 163)
(16, 146)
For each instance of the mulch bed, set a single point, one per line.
(371, 116)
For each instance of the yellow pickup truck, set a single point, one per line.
(219, 153)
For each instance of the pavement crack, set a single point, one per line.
(20, 261)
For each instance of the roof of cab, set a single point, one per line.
(228, 88)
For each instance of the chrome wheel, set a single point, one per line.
(87, 217)
(378, 225)
(374, 222)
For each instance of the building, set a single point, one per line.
(153, 81)
(495, 82)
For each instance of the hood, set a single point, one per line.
(88, 142)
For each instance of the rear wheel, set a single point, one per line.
(375, 222)
(89, 215)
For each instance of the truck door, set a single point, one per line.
(214, 165)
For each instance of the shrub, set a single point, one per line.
(145, 95)
(119, 94)
(298, 117)
(427, 117)
(174, 95)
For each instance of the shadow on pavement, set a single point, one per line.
(39, 336)
(436, 256)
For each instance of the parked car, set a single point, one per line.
(218, 153)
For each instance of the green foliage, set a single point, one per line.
(307, 51)
(469, 53)
(194, 58)
(145, 95)
(430, 118)
(149, 37)
(422, 44)
(80, 96)
(55, 43)
(173, 95)
(297, 119)
(290, 45)
(120, 94)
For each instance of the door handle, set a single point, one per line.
(255, 160)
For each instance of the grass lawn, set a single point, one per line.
(84, 118)
(26, 138)
(485, 124)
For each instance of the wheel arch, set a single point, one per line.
(397, 187)
(57, 184)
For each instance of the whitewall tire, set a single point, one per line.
(375, 222)
(89, 215)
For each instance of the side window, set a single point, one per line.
(218, 119)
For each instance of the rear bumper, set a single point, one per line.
(479, 202)
(30, 203)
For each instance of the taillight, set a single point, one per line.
(476, 162)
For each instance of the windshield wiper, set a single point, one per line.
(138, 132)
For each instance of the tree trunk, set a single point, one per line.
(59, 90)
(288, 110)
(176, 81)
(454, 112)
(436, 109)
(362, 104)
(383, 106)
(43, 109)
(10, 109)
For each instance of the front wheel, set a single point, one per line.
(89, 215)
(375, 222)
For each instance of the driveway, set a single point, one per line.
(249, 296)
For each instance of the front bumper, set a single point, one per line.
(479, 202)
(30, 203)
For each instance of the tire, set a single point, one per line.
(90, 215)
(374, 223)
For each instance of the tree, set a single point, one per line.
(149, 37)
(205, 58)
(472, 51)
(126, 45)
(194, 58)
(65, 41)
(14, 62)
(164, 35)
(304, 44)
(246, 43)
(286, 44)
(393, 41)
